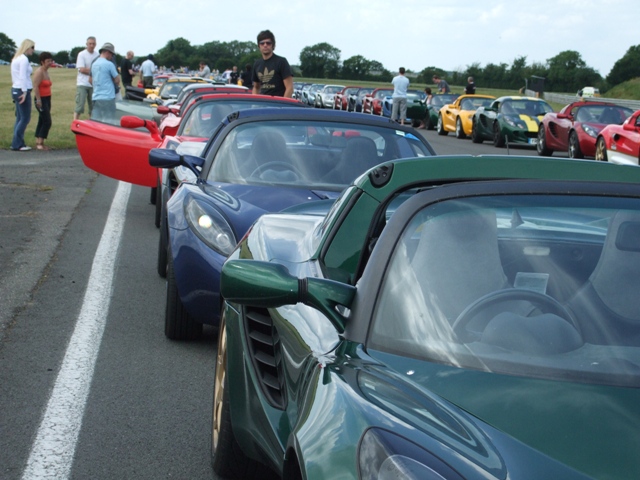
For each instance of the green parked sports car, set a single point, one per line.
(509, 120)
(446, 318)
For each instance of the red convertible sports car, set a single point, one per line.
(121, 152)
(620, 143)
(576, 127)
(373, 103)
(341, 100)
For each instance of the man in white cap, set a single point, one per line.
(105, 80)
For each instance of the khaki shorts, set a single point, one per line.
(83, 94)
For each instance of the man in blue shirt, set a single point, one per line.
(105, 81)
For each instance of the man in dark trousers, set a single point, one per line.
(271, 74)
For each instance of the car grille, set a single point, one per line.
(264, 346)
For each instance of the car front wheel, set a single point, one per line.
(541, 146)
(178, 324)
(498, 139)
(475, 136)
(459, 130)
(227, 458)
(601, 150)
(440, 127)
(574, 146)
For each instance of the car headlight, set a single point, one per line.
(591, 131)
(513, 122)
(211, 227)
(384, 455)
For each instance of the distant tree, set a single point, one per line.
(62, 57)
(426, 75)
(177, 52)
(73, 55)
(568, 72)
(7, 47)
(626, 68)
(320, 61)
(356, 68)
(495, 76)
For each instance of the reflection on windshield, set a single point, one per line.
(535, 286)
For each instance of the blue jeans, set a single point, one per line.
(23, 117)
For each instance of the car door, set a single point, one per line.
(120, 152)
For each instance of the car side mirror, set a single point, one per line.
(130, 121)
(168, 158)
(630, 127)
(565, 115)
(163, 109)
(270, 285)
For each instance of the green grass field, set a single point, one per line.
(63, 102)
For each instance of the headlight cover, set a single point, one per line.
(211, 227)
(383, 455)
(591, 131)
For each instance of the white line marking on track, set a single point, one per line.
(53, 450)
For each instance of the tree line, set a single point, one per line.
(565, 72)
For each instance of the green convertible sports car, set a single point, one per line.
(446, 318)
(509, 120)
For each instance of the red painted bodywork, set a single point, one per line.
(373, 103)
(624, 139)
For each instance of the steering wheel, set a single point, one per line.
(280, 166)
(545, 303)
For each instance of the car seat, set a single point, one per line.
(268, 147)
(608, 305)
(610, 116)
(359, 155)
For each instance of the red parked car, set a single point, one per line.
(373, 103)
(575, 128)
(341, 100)
(620, 143)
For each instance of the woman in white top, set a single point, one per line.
(21, 93)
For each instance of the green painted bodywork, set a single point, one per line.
(486, 425)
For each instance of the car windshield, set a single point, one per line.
(440, 100)
(172, 89)
(474, 103)
(204, 118)
(333, 89)
(607, 114)
(308, 154)
(532, 108)
(528, 285)
(364, 92)
(383, 93)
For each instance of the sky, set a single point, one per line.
(413, 34)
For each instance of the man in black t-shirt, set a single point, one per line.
(126, 70)
(271, 74)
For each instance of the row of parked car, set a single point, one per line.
(383, 311)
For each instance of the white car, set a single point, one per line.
(325, 96)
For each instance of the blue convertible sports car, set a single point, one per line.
(450, 318)
(259, 161)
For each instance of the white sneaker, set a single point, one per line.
(26, 148)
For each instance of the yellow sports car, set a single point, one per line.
(456, 117)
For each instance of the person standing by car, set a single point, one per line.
(42, 89)
(443, 86)
(470, 89)
(147, 69)
(21, 93)
(245, 77)
(84, 90)
(400, 85)
(126, 71)
(272, 73)
(205, 71)
(234, 75)
(104, 76)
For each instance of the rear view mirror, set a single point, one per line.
(130, 121)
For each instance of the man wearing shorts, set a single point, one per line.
(84, 90)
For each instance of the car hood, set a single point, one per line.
(591, 428)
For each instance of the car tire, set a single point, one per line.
(163, 241)
(541, 146)
(498, 139)
(158, 204)
(459, 130)
(475, 136)
(428, 124)
(227, 458)
(415, 123)
(440, 127)
(574, 146)
(178, 324)
(601, 150)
